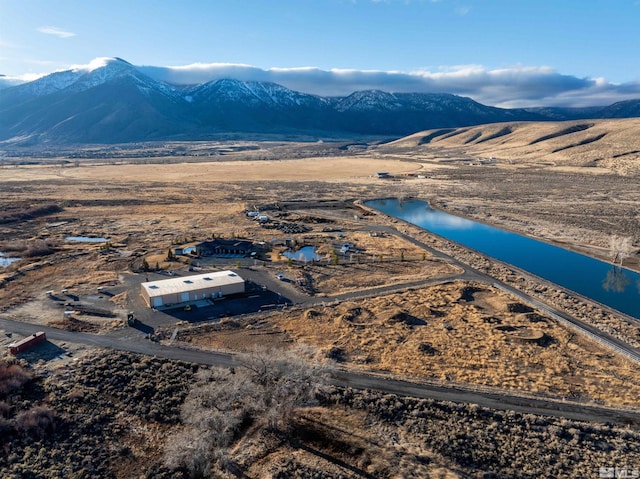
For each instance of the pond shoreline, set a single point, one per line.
(590, 277)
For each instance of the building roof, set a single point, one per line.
(224, 242)
(191, 283)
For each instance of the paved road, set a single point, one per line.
(494, 400)
(134, 344)
(345, 378)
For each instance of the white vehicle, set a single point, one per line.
(280, 276)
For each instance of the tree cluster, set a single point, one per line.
(263, 391)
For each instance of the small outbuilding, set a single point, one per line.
(186, 289)
(27, 343)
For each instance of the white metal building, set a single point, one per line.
(185, 289)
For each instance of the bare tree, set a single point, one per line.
(264, 391)
(286, 380)
(212, 414)
(621, 247)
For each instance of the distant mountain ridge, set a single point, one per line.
(117, 103)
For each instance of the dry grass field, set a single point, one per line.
(570, 183)
(142, 208)
(459, 331)
(322, 169)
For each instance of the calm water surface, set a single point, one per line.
(4, 261)
(307, 253)
(86, 239)
(616, 287)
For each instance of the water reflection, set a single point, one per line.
(86, 239)
(616, 281)
(585, 275)
(438, 219)
(308, 253)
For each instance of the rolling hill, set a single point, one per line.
(610, 145)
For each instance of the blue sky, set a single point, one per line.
(502, 52)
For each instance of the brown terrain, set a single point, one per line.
(393, 308)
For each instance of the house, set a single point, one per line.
(383, 174)
(186, 289)
(224, 247)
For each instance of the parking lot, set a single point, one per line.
(263, 292)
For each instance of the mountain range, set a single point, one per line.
(117, 103)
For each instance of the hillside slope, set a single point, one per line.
(610, 144)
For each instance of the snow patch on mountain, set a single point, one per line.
(97, 63)
(369, 100)
(252, 93)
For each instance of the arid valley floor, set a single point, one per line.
(408, 306)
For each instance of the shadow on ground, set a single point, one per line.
(143, 328)
(229, 306)
(45, 352)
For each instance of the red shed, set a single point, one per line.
(28, 342)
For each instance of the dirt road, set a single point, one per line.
(454, 393)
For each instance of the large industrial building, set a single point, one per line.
(185, 289)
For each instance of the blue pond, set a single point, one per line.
(308, 253)
(616, 287)
(86, 239)
(4, 261)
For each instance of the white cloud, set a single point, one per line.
(515, 86)
(510, 87)
(9, 81)
(58, 32)
(93, 64)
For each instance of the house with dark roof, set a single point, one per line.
(224, 247)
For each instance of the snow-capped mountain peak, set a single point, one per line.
(111, 100)
(100, 71)
(100, 62)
